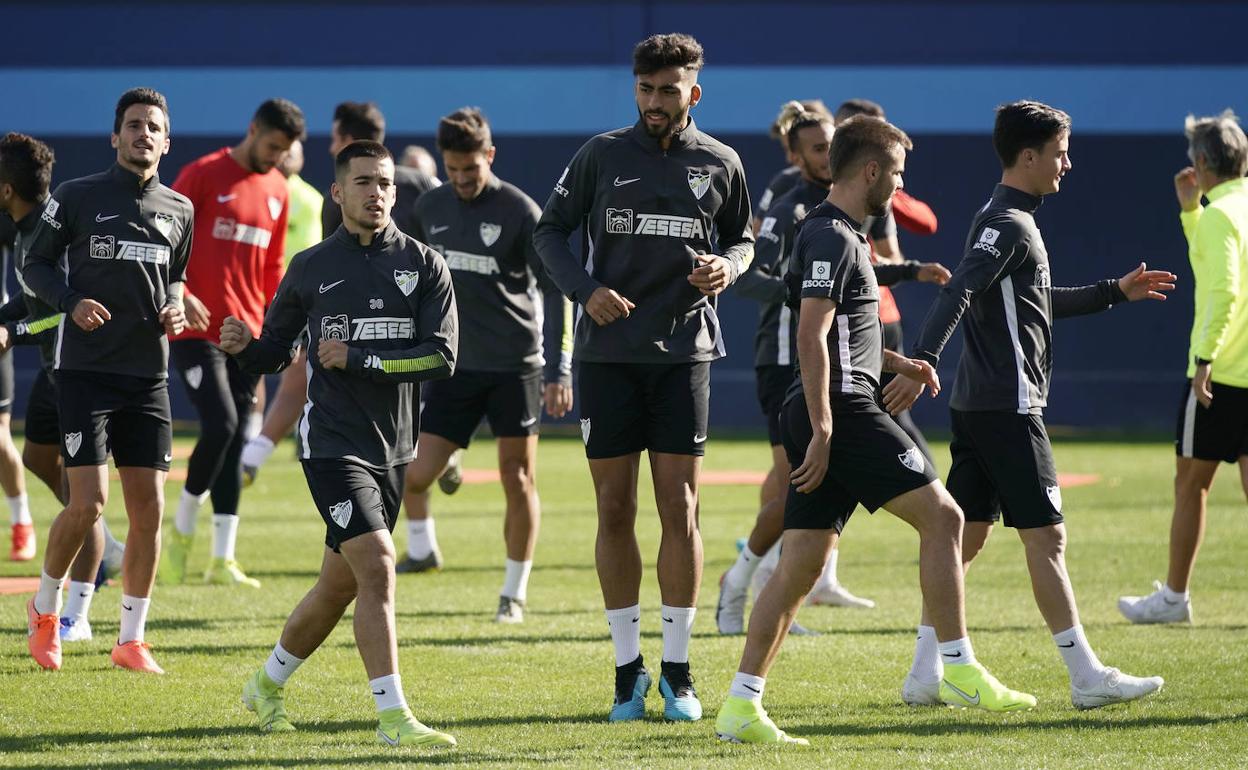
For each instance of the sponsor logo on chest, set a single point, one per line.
(625, 222)
(342, 328)
(107, 247)
(229, 229)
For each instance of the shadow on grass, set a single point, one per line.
(1023, 725)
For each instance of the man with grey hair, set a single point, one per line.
(1213, 414)
(417, 157)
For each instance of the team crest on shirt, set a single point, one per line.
(1055, 497)
(490, 233)
(164, 223)
(912, 458)
(194, 376)
(73, 441)
(406, 281)
(275, 207)
(699, 182)
(341, 513)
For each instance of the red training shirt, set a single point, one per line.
(240, 234)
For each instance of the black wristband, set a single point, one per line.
(1202, 361)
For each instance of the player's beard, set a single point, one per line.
(674, 125)
(133, 158)
(877, 200)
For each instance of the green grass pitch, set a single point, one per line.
(538, 694)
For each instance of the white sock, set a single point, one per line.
(280, 665)
(516, 581)
(388, 692)
(1084, 667)
(956, 653)
(133, 618)
(224, 533)
(1173, 595)
(19, 509)
(625, 626)
(256, 451)
(421, 539)
(926, 665)
(48, 596)
(78, 600)
(255, 421)
(747, 686)
(188, 510)
(677, 626)
(828, 576)
(739, 574)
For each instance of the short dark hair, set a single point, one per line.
(359, 149)
(1221, 141)
(805, 120)
(148, 96)
(464, 130)
(852, 107)
(659, 52)
(361, 120)
(1026, 125)
(282, 115)
(861, 139)
(26, 164)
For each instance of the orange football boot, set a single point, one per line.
(43, 633)
(135, 656)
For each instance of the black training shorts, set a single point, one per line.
(627, 408)
(1003, 468)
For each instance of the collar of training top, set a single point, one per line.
(130, 179)
(384, 237)
(683, 138)
(1226, 188)
(832, 211)
(1014, 198)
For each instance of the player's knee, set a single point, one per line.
(1045, 542)
(85, 511)
(515, 476)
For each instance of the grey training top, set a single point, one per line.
(1004, 280)
(647, 213)
(488, 245)
(393, 304)
(127, 242)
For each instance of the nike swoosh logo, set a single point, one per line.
(102, 218)
(636, 618)
(168, 457)
(80, 593)
(324, 288)
(667, 620)
(528, 422)
(383, 692)
(1067, 646)
(1167, 601)
(751, 689)
(621, 182)
(974, 701)
(127, 607)
(279, 660)
(952, 654)
(392, 741)
(226, 198)
(698, 439)
(436, 230)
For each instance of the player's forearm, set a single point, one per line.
(31, 331)
(567, 272)
(888, 274)
(942, 319)
(557, 338)
(48, 283)
(739, 255)
(1081, 300)
(758, 284)
(173, 298)
(430, 360)
(265, 355)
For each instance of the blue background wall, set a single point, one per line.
(550, 74)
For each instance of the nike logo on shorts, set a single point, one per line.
(168, 456)
(699, 438)
(528, 422)
(323, 288)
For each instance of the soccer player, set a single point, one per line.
(303, 231)
(381, 311)
(25, 178)
(786, 178)
(1002, 462)
(240, 201)
(23, 546)
(845, 450)
(417, 157)
(483, 226)
(354, 121)
(128, 239)
(1213, 415)
(775, 353)
(650, 197)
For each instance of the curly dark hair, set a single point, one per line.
(26, 164)
(659, 52)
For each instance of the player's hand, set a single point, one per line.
(558, 398)
(197, 315)
(933, 272)
(711, 276)
(6, 341)
(606, 306)
(913, 376)
(332, 354)
(809, 475)
(1142, 283)
(90, 315)
(173, 319)
(235, 335)
(1186, 189)
(1201, 387)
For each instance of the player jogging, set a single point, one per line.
(650, 197)
(381, 312)
(241, 213)
(128, 239)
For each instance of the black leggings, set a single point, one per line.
(893, 341)
(223, 396)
